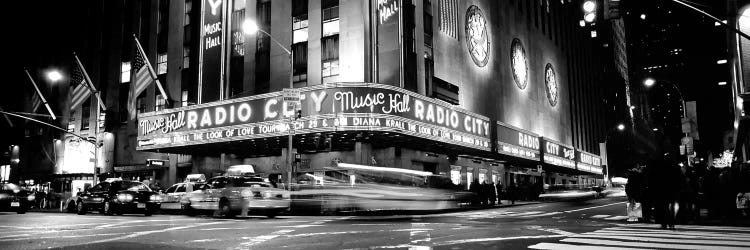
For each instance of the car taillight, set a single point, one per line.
(247, 193)
(125, 197)
(267, 195)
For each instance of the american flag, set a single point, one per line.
(448, 19)
(141, 80)
(36, 102)
(81, 91)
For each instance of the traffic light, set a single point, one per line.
(298, 114)
(589, 11)
(297, 158)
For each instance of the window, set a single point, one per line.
(181, 188)
(171, 189)
(85, 114)
(184, 98)
(330, 18)
(140, 104)
(299, 55)
(161, 103)
(299, 21)
(185, 57)
(161, 66)
(125, 72)
(188, 12)
(330, 56)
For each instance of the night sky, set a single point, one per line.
(40, 35)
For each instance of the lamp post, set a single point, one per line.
(251, 27)
(649, 82)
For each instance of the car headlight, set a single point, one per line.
(267, 194)
(31, 197)
(125, 197)
(247, 193)
(155, 197)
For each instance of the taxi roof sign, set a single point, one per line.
(112, 179)
(240, 170)
(195, 178)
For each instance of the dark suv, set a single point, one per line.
(14, 198)
(119, 197)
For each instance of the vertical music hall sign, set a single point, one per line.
(211, 62)
(389, 41)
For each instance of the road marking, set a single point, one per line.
(61, 237)
(541, 215)
(204, 240)
(555, 246)
(646, 236)
(600, 216)
(616, 218)
(576, 210)
(454, 242)
(133, 235)
(648, 245)
(263, 238)
(222, 228)
(419, 236)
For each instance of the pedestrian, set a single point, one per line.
(512, 192)
(474, 188)
(500, 195)
(666, 184)
(491, 193)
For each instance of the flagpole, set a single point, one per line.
(90, 83)
(41, 96)
(96, 136)
(151, 70)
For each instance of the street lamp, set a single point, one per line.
(251, 27)
(621, 127)
(54, 75)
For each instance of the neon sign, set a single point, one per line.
(333, 107)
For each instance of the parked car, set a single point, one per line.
(234, 194)
(119, 197)
(14, 198)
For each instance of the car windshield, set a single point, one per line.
(133, 186)
(249, 182)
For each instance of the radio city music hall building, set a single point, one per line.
(491, 90)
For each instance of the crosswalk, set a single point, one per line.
(650, 236)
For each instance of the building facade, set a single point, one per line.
(502, 91)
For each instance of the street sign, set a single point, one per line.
(291, 95)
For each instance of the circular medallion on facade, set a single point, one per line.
(518, 64)
(550, 80)
(477, 38)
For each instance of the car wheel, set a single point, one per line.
(108, 209)
(22, 210)
(225, 210)
(148, 212)
(80, 208)
(187, 209)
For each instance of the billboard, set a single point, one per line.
(325, 108)
(212, 36)
(558, 154)
(588, 162)
(517, 142)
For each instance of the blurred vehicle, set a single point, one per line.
(174, 194)
(240, 191)
(352, 187)
(14, 198)
(119, 197)
(563, 192)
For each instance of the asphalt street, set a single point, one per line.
(593, 224)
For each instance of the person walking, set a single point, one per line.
(500, 195)
(666, 185)
(491, 194)
(512, 191)
(474, 188)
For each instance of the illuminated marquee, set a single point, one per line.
(325, 108)
(589, 162)
(557, 154)
(515, 142)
